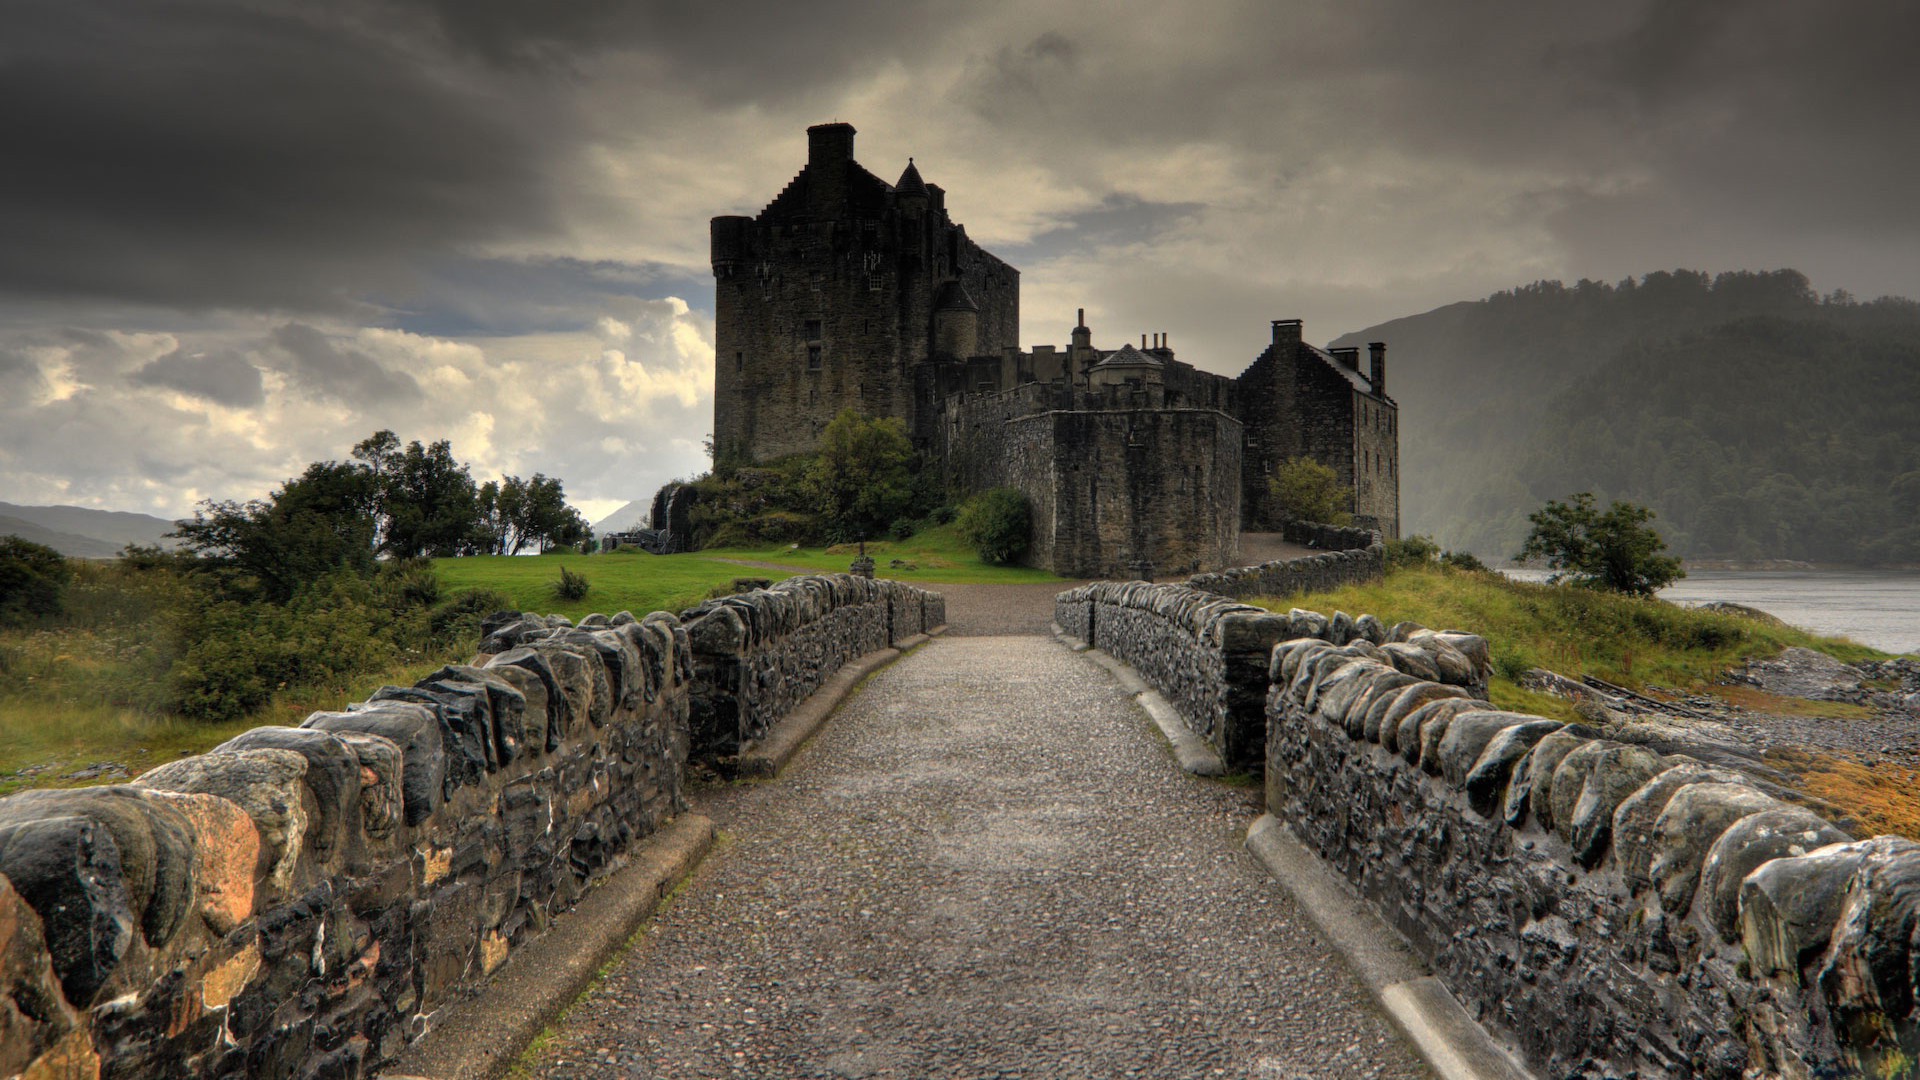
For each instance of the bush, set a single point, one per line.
(1415, 550)
(1305, 490)
(1615, 549)
(997, 524)
(32, 577)
(942, 514)
(1463, 560)
(902, 529)
(571, 586)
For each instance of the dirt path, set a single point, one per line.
(987, 865)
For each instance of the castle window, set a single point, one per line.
(813, 358)
(739, 362)
(813, 329)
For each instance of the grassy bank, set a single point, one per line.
(1639, 644)
(632, 580)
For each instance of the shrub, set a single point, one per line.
(1413, 550)
(571, 586)
(1615, 549)
(997, 524)
(32, 577)
(1305, 490)
(942, 514)
(1463, 560)
(902, 529)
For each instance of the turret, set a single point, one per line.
(729, 243)
(956, 322)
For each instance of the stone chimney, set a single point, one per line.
(1377, 352)
(829, 144)
(1349, 357)
(1286, 332)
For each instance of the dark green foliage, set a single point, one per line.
(425, 501)
(572, 585)
(864, 475)
(998, 524)
(317, 523)
(756, 506)
(1420, 550)
(1305, 490)
(32, 577)
(514, 513)
(1759, 419)
(903, 528)
(1613, 549)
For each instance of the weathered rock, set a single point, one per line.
(1466, 737)
(1867, 981)
(1420, 733)
(269, 784)
(226, 850)
(333, 777)
(1617, 772)
(154, 844)
(1634, 840)
(506, 701)
(1412, 659)
(533, 695)
(1403, 630)
(1800, 672)
(1535, 769)
(1403, 706)
(1685, 831)
(382, 782)
(1555, 798)
(1486, 781)
(1790, 906)
(1307, 624)
(1368, 628)
(35, 1016)
(68, 871)
(1773, 834)
(467, 738)
(412, 728)
(1340, 628)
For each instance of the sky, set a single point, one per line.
(237, 236)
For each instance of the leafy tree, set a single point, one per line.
(31, 579)
(1615, 549)
(321, 521)
(536, 512)
(426, 501)
(864, 476)
(998, 524)
(1306, 490)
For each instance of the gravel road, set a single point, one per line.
(986, 865)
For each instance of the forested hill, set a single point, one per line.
(1758, 418)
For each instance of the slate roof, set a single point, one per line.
(1359, 379)
(1129, 356)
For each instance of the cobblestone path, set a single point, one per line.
(986, 865)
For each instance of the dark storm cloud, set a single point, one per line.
(221, 376)
(228, 154)
(345, 374)
(493, 296)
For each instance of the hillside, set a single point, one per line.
(82, 533)
(1751, 413)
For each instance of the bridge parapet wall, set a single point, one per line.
(1615, 911)
(299, 902)
(758, 654)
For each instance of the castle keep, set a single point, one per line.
(850, 292)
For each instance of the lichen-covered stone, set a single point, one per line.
(35, 1017)
(1536, 769)
(412, 728)
(226, 850)
(1743, 848)
(1790, 905)
(67, 869)
(1485, 783)
(154, 844)
(1686, 830)
(1617, 772)
(1634, 839)
(1868, 979)
(332, 776)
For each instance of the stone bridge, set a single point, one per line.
(987, 864)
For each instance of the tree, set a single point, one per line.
(863, 477)
(534, 512)
(1305, 490)
(318, 522)
(1614, 550)
(997, 524)
(426, 501)
(31, 579)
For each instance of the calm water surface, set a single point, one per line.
(1880, 608)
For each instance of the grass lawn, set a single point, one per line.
(637, 582)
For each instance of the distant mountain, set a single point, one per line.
(632, 515)
(83, 533)
(1757, 418)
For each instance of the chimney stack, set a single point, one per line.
(1349, 357)
(1286, 332)
(829, 143)
(1377, 352)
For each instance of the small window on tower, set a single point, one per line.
(739, 362)
(813, 358)
(813, 329)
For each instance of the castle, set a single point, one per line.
(850, 292)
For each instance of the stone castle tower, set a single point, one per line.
(835, 295)
(849, 292)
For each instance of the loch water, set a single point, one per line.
(1880, 608)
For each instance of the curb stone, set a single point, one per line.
(480, 1036)
(1433, 1021)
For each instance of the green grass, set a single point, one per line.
(635, 581)
(1574, 632)
(48, 729)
